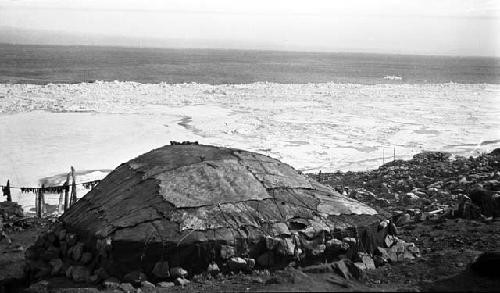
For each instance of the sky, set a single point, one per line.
(444, 27)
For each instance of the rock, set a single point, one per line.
(351, 242)
(64, 248)
(181, 282)
(71, 239)
(161, 270)
(321, 268)
(266, 260)
(165, 284)
(147, 285)
(318, 250)
(383, 224)
(94, 279)
(213, 268)
(410, 198)
(101, 273)
(487, 264)
(51, 238)
(286, 247)
(62, 235)
(358, 270)
(258, 280)
(57, 265)
(366, 260)
(281, 229)
(41, 286)
(389, 240)
(135, 278)
(126, 287)
(309, 232)
(10, 209)
(80, 274)
(250, 263)
(236, 264)
(379, 261)
(341, 267)
(111, 283)
(51, 253)
(336, 246)
(86, 258)
(289, 275)
(76, 251)
(403, 219)
(227, 252)
(69, 272)
(392, 230)
(178, 272)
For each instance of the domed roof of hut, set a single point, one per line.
(180, 195)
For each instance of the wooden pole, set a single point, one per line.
(39, 201)
(66, 193)
(6, 191)
(73, 187)
(44, 208)
(394, 154)
(60, 208)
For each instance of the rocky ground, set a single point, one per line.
(447, 206)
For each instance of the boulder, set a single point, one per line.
(135, 277)
(165, 285)
(487, 264)
(126, 287)
(111, 283)
(237, 264)
(86, 258)
(178, 272)
(341, 267)
(161, 270)
(80, 274)
(213, 268)
(10, 209)
(57, 265)
(181, 282)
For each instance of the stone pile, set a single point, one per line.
(431, 185)
(11, 215)
(58, 253)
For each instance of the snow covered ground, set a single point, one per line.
(46, 129)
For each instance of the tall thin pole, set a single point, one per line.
(73, 187)
(6, 191)
(394, 154)
(66, 193)
(39, 201)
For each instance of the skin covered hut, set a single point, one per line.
(193, 205)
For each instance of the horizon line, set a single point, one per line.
(354, 51)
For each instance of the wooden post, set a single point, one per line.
(39, 197)
(60, 208)
(44, 208)
(73, 187)
(66, 193)
(6, 191)
(394, 154)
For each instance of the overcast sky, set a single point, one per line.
(451, 27)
